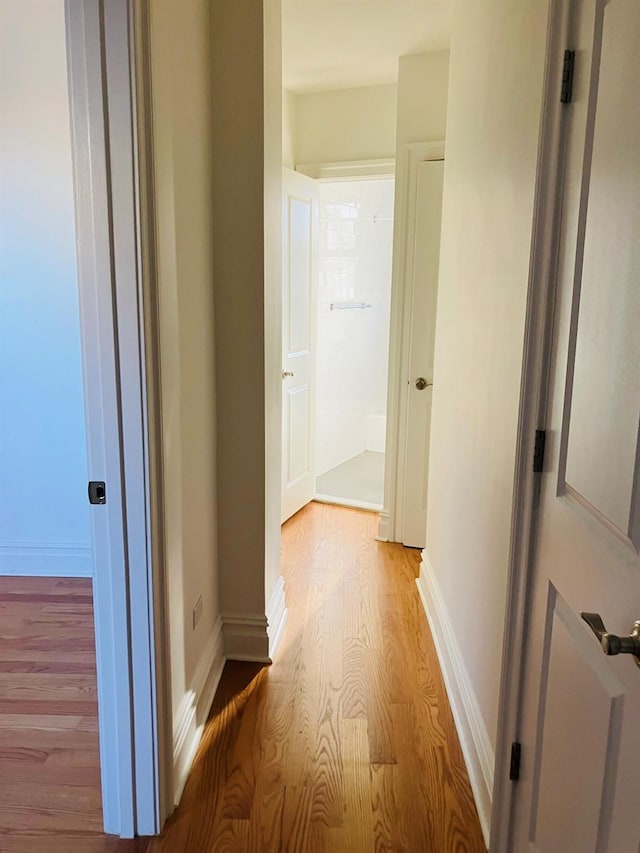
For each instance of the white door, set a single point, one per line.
(299, 274)
(579, 789)
(421, 271)
(121, 417)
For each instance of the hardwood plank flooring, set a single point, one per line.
(49, 759)
(346, 743)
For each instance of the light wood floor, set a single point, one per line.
(49, 761)
(346, 743)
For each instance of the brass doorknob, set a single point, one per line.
(421, 383)
(612, 644)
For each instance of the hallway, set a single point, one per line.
(346, 743)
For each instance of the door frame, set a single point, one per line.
(109, 104)
(344, 172)
(349, 170)
(399, 337)
(534, 388)
(391, 514)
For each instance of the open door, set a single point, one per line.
(579, 785)
(416, 266)
(121, 417)
(299, 276)
(422, 268)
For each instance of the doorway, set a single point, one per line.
(73, 376)
(355, 239)
(49, 756)
(358, 319)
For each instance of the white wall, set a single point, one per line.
(181, 83)
(247, 203)
(289, 110)
(495, 92)
(238, 242)
(274, 135)
(423, 82)
(345, 124)
(44, 516)
(355, 242)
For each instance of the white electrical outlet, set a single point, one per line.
(197, 612)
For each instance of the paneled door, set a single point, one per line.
(579, 788)
(299, 287)
(421, 270)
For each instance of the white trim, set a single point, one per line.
(474, 738)
(384, 526)
(46, 559)
(276, 616)
(150, 347)
(101, 59)
(102, 406)
(350, 170)
(532, 415)
(122, 105)
(390, 526)
(246, 637)
(194, 708)
(348, 502)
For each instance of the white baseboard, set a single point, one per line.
(246, 637)
(276, 616)
(46, 559)
(472, 731)
(352, 504)
(384, 526)
(194, 709)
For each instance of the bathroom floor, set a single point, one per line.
(358, 481)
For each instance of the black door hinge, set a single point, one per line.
(567, 76)
(97, 492)
(538, 451)
(514, 764)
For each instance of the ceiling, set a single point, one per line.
(339, 44)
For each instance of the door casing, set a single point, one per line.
(353, 170)
(107, 48)
(532, 412)
(399, 337)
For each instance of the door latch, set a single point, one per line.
(97, 492)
